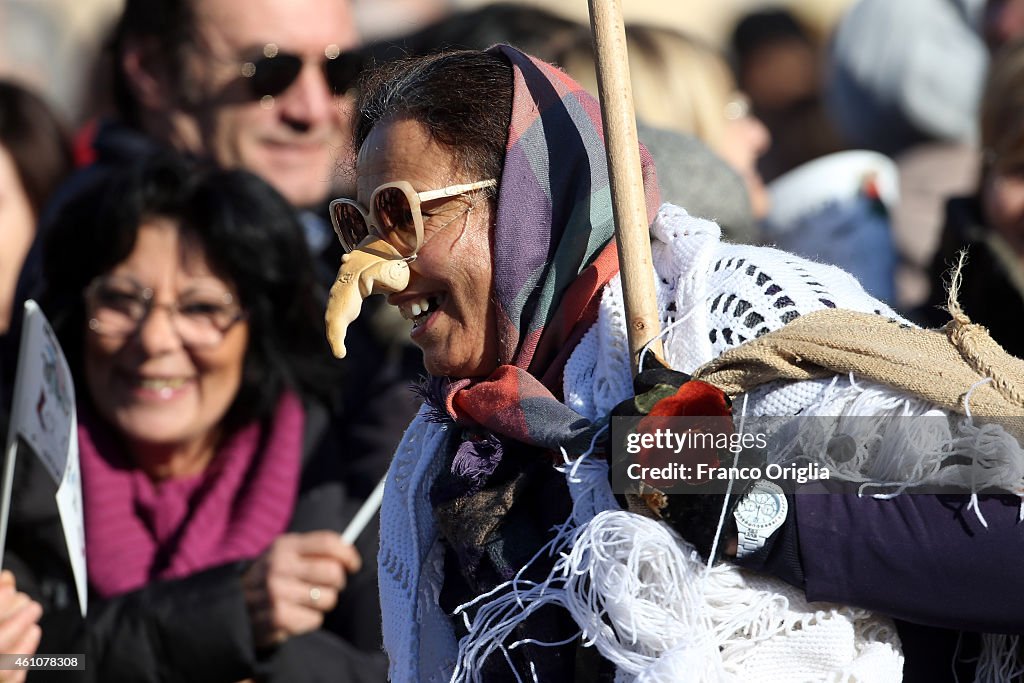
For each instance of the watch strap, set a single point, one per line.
(749, 544)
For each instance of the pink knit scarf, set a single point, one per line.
(138, 530)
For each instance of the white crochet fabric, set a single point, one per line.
(418, 636)
(713, 296)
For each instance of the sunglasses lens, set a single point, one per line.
(273, 75)
(396, 219)
(342, 71)
(349, 224)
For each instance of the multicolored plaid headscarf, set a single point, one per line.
(553, 253)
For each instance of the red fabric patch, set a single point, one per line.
(713, 420)
(694, 399)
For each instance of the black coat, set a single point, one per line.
(992, 290)
(197, 629)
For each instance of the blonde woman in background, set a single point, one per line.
(684, 84)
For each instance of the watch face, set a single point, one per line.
(761, 507)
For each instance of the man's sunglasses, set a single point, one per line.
(394, 215)
(275, 71)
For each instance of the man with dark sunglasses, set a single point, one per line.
(258, 85)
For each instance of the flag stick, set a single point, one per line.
(365, 514)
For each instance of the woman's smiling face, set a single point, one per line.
(453, 271)
(150, 385)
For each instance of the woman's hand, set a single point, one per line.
(295, 582)
(19, 630)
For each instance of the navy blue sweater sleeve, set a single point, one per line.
(927, 559)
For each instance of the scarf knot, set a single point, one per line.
(476, 458)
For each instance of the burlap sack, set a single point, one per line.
(941, 366)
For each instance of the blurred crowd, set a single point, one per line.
(187, 167)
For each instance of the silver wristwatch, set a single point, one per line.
(758, 514)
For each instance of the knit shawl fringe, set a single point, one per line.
(642, 596)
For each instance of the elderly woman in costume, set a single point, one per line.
(483, 212)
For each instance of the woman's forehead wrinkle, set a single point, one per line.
(401, 149)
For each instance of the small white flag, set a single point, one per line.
(43, 414)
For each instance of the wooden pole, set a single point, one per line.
(626, 176)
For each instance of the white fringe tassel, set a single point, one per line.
(629, 583)
(1000, 659)
(642, 596)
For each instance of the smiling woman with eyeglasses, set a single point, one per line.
(215, 479)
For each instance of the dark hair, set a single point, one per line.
(37, 140)
(168, 26)
(250, 236)
(763, 28)
(464, 99)
(534, 30)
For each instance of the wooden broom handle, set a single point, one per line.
(626, 176)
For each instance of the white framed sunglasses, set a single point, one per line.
(394, 214)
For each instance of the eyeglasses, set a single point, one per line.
(276, 70)
(116, 307)
(395, 214)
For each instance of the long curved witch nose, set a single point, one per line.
(374, 267)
